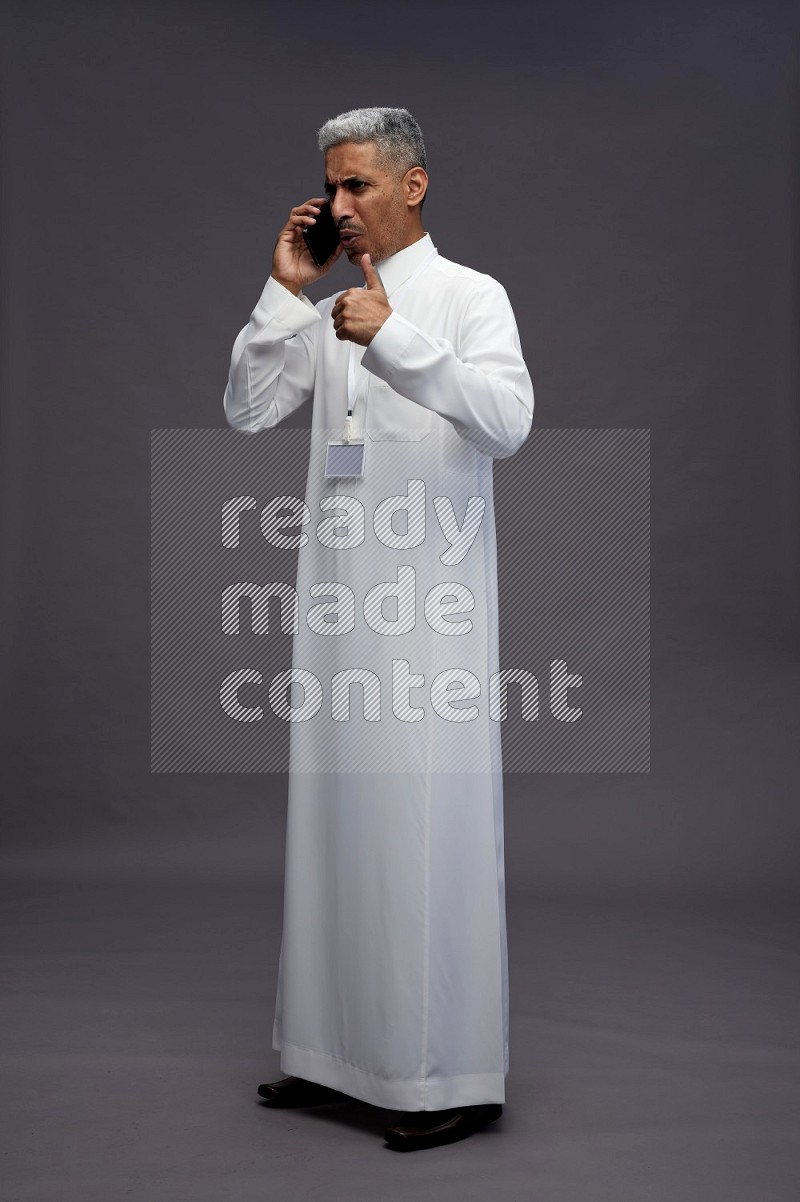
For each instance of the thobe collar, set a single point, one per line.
(398, 267)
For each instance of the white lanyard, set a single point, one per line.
(351, 358)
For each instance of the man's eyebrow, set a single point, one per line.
(351, 179)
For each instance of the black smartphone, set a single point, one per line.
(322, 237)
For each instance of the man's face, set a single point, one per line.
(367, 200)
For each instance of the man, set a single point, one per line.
(393, 980)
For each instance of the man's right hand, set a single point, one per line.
(292, 264)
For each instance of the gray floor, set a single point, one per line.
(654, 1048)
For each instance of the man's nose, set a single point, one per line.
(340, 205)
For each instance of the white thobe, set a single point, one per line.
(393, 970)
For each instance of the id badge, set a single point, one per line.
(345, 458)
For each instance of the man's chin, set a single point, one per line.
(355, 252)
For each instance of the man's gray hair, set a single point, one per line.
(395, 131)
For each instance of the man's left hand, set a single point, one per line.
(359, 313)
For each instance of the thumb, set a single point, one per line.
(370, 274)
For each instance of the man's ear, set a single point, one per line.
(415, 182)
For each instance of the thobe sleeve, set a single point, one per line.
(480, 384)
(273, 361)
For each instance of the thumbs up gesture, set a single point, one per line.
(360, 312)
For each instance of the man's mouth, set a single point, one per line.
(348, 237)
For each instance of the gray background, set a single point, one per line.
(629, 173)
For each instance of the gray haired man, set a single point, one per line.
(393, 976)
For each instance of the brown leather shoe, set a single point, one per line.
(295, 1091)
(429, 1128)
